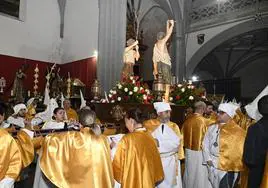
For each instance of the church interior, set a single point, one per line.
(63, 61)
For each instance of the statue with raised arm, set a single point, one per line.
(131, 54)
(161, 58)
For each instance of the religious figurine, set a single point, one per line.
(161, 58)
(18, 90)
(131, 54)
(56, 84)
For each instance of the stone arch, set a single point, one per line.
(220, 38)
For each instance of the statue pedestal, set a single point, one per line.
(113, 113)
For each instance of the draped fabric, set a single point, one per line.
(26, 147)
(71, 114)
(77, 159)
(243, 120)
(231, 144)
(153, 124)
(10, 157)
(193, 130)
(112, 38)
(137, 164)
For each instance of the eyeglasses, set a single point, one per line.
(221, 112)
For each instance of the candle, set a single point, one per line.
(12, 93)
(29, 93)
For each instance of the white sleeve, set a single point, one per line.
(19, 121)
(168, 141)
(7, 183)
(205, 145)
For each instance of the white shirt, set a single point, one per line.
(53, 125)
(19, 121)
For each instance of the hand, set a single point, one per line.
(209, 163)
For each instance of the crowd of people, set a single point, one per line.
(219, 148)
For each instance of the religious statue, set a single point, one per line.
(161, 58)
(56, 84)
(131, 54)
(18, 90)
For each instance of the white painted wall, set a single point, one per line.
(81, 29)
(36, 36)
(191, 40)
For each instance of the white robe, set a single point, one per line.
(19, 121)
(211, 153)
(7, 183)
(168, 147)
(53, 125)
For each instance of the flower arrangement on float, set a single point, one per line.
(184, 94)
(131, 90)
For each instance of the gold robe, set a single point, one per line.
(71, 114)
(243, 120)
(137, 162)
(153, 124)
(231, 144)
(26, 147)
(212, 119)
(30, 113)
(264, 183)
(194, 130)
(77, 159)
(10, 156)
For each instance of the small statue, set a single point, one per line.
(56, 84)
(161, 58)
(18, 89)
(131, 54)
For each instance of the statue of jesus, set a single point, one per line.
(161, 58)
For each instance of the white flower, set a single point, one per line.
(130, 93)
(111, 91)
(191, 98)
(203, 97)
(183, 89)
(144, 97)
(147, 91)
(133, 81)
(119, 86)
(170, 98)
(114, 92)
(141, 88)
(179, 85)
(112, 101)
(131, 77)
(192, 87)
(110, 95)
(190, 82)
(119, 98)
(126, 89)
(135, 89)
(189, 87)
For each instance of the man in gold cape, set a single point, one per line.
(76, 159)
(170, 144)
(256, 146)
(70, 113)
(223, 148)
(209, 114)
(10, 160)
(137, 162)
(194, 129)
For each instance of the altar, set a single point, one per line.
(112, 114)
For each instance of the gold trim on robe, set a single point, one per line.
(264, 183)
(194, 130)
(153, 124)
(137, 162)
(231, 141)
(77, 159)
(10, 156)
(26, 147)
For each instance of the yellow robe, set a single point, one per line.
(71, 114)
(77, 159)
(212, 119)
(194, 130)
(10, 156)
(264, 183)
(137, 162)
(231, 141)
(30, 113)
(243, 120)
(153, 124)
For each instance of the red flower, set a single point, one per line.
(126, 98)
(178, 97)
(142, 91)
